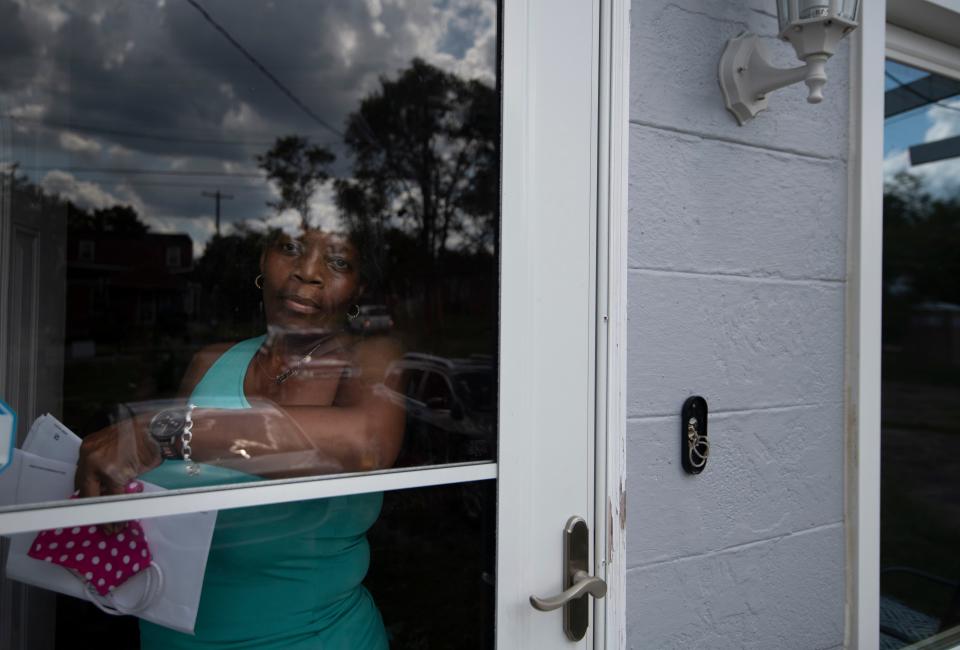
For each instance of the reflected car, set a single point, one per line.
(372, 318)
(450, 404)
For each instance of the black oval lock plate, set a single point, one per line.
(694, 445)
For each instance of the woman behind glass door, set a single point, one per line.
(287, 575)
(168, 142)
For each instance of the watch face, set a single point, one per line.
(166, 424)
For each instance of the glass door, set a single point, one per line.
(324, 271)
(920, 490)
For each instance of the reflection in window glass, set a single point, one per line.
(253, 240)
(920, 489)
(477, 389)
(430, 550)
(262, 210)
(436, 393)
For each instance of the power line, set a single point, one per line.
(273, 79)
(365, 129)
(73, 126)
(196, 186)
(120, 171)
(131, 134)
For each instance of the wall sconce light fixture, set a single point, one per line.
(813, 27)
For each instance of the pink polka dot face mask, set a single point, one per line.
(103, 560)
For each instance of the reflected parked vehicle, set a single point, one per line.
(450, 405)
(372, 318)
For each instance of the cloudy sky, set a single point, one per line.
(100, 95)
(928, 124)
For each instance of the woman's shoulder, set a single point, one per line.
(201, 362)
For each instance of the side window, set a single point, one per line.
(411, 383)
(436, 392)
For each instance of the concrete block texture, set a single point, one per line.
(675, 53)
(770, 473)
(741, 343)
(783, 593)
(737, 293)
(711, 206)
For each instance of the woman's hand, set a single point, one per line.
(114, 456)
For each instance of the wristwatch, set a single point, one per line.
(166, 429)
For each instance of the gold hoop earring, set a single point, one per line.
(355, 313)
(258, 281)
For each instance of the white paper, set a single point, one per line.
(50, 438)
(179, 545)
(52, 480)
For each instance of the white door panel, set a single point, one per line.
(548, 298)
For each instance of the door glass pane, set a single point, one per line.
(408, 569)
(920, 488)
(250, 239)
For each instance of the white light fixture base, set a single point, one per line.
(736, 81)
(747, 77)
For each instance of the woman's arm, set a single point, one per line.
(365, 419)
(362, 430)
(115, 455)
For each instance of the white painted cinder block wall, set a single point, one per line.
(736, 292)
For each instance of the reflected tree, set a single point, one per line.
(419, 194)
(921, 235)
(298, 169)
(28, 198)
(424, 153)
(119, 220)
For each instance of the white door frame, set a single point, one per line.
(875, 41)
(610, 95)
(611, 508)
(863, 306)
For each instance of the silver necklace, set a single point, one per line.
(290, 372)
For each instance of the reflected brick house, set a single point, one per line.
(120, 286)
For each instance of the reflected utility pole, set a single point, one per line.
(217, 196)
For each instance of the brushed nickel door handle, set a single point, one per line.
(582, 584)
(577, 582)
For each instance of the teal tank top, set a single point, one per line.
(281, 576)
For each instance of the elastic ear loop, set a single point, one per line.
(150, 592)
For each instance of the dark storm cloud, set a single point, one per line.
(116, 85)
(16, 47)
(127, 74)
(296, 41)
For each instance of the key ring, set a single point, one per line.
(698, 446)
